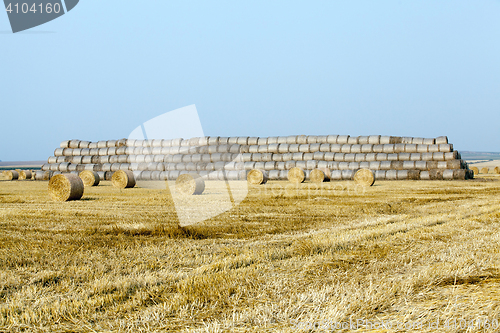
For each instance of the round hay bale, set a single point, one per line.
(363, 140)
(339, 157)
(274, 175)
(408, 165)
(83, 144)
(395, 140)
(402, 174)
(290, 165)
(64, 144)
(355, 149)
(391, 175)
(374, 165)
(422, 148)
(460, 174)
(190, 184)
(336, 175)
(24, 174)
(280, 166)
(257, 177)
(404, 156)
(380, 174)
(123, 179)
(11, 174)
(329, 156)
(336, 148)
(342, 139)
(353, 140)
(74, 143)
(65, 187)
(436, 174)
(332, 139)
(293, 148)
(497, 170)
(374, 139)
(454, 155)
(296, 175)
(348, 174)
(320, 176)
(360, 158)
(485, 170)
(343, 166)
(441, 140)
(448, 174)
(47, 175)
(388, 149)
(475, 170)
(378, 148)
(413, 174)
(269, 166)
(364, 177)
(248, 165)
(415, 157)
(90, 178)
(453, 164)
(425, 175)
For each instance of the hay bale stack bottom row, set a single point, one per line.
(338, 157)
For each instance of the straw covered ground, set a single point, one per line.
(420, 254)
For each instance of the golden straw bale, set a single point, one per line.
(364, 177)
(90, 178)
(123, 179)
(296, 175)
(190, 184)
(65, 187)
(320, 175)
(257, 177)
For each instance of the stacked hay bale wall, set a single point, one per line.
(338, 156)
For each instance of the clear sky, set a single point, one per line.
(254, 68)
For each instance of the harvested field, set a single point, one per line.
(288, 256)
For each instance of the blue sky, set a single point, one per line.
(255, 68)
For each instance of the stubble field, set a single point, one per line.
(418, 254)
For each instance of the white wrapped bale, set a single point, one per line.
(336, 175)
(441, 140)
(332, 139)
(346, 148)
(352, 140)
(348, 174)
